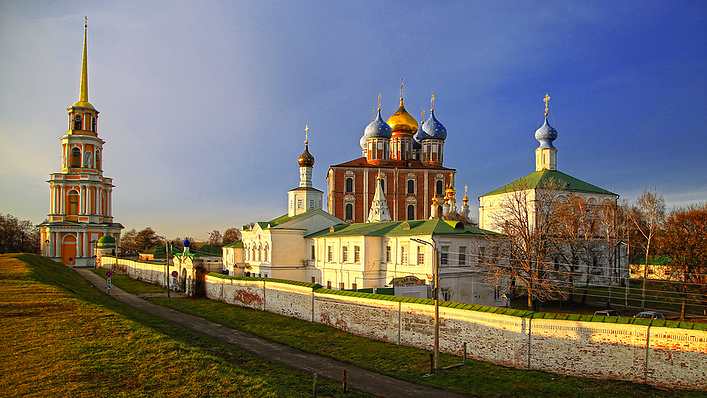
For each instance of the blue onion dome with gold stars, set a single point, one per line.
(306, 159)
(434, 129)
(378, 128)
(402, 121)
(416, 140)
(546, 134)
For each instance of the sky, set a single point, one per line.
(204, 103)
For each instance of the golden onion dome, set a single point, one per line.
(306, 159)
(402, 121)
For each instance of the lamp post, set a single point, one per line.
(436, 294)
(166, 263)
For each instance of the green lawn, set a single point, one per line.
(63, 338)
(477, 378)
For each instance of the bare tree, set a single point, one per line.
(684, 241)
(647, 215)
(18, 236)
(528, 221)
(215, 237)
(231, 235)
(609, 230)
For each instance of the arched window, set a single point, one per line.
(411, 187)
(98, 159)
(349, 211)
(260, 252)
(78, 121)
(73, 203)
(411, 212)
(75, 157)
(440, 187)
(266, 253)
(382, 182)
(349, 184)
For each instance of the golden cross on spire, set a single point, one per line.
(306, 134)
(85, 22)
(422, 115)
(432, 108)
(379, 101)
(401, 87)
(546, 100)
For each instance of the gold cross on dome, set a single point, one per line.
(423, 113)
(306, 133)
(433, 102)
(379, 101)
(546, 100)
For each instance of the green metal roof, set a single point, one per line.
(236, 244)
(402, 228)
(539, 178)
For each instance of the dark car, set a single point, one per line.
(608, 313)
(650, 315)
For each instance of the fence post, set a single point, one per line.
(344, 381)
(314, 386)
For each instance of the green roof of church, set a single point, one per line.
(236, 244)
(402, 228)
(539, 178)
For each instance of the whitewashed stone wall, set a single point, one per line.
(659, 356)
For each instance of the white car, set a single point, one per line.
(650, 315)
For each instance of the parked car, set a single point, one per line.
(650, 315)
(608, 313)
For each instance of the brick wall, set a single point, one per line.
(660, 356)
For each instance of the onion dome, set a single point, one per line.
(362, 141)
(416, 139)
(546, 134)
(378, 128)
(306, 159)
(186, 243)
(402, 121)
(434, 129)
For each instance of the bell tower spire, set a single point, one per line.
(83, 93)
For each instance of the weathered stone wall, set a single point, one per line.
(660, 356)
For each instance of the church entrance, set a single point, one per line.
(68, 249)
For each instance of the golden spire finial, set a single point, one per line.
(306, 134)
(432, 107)
(546, 100)
(401, 91)
(379, 101)
(83, 93)
(422, 115)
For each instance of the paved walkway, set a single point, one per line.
(357, 378)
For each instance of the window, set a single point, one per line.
(444, 255)
(411, 212)
(314, 279)
(411, 187)
(342, 286)
(420, 255)
(462, 255)
(266, 253)
(345, 254)
(387, 254)
(354, 286)
(73, 203)
(349, 211)
(311, 204)
(445, 295)
(329, 254)
(76, 157)
(328, 284)
(382, 182)
(440, 187)
(349, 184)
(78, 119)
(314, 251)
(357, 254)
(299, 204)
(403, 255)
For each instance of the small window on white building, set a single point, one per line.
(462, 255)
(403, 255)
(344, 254)
(420, 255)
(444, 255)
(357, 254)
(387, 254)
(329, 253)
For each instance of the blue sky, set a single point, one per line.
(203, 104)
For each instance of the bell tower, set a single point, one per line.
(81, 198)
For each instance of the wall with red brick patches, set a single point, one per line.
(659, 356)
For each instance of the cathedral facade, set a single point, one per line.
(81, 198)
(406, 158)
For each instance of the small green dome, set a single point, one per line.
(106, 239)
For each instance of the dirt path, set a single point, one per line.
(332, 369)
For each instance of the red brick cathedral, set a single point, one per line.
(410, 160)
